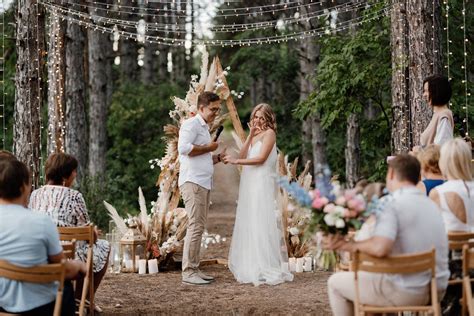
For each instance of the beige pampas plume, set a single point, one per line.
(143, 211)
(204, 67)
(211, 78)
(119, 221)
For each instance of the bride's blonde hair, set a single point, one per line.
(268, 115)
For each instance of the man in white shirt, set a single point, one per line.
(409, 223)
(195, 180)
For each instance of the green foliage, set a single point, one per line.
(353, 76)
(135, 124)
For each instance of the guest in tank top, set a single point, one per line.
(430, 173)
(456, 195)
(437, 93)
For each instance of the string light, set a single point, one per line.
(222, 28)
(40, 94)
(216, 42)
(448, 52)
(466, 92)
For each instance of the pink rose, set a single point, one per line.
(352, 204)
(319, 202)
(349, 194)
(329, 208)
(360, 206)
(341, 200)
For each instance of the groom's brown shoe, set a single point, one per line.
(195, 280)
(205, 276)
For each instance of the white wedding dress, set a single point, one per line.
(258, 251)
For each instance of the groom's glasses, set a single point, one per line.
(215, 110)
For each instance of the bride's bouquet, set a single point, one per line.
(334, 210)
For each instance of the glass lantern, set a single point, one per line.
(132, 247)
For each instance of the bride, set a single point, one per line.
(258, 251)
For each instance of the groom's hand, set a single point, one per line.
(212, 146)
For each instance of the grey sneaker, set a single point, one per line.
(205, 276)
(195, 280)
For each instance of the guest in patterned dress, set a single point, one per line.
(67, 208)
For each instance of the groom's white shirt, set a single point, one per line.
(197, 169)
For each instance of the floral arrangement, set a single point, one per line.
(164, 235)
(334, 210)
(295, 220)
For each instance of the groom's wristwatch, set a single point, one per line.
(219, 158)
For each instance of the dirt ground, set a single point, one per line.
(133, 294)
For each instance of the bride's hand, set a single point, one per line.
(254, 130)
(229, 159)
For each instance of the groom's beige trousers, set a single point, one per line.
(196, 202)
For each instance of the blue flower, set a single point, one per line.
(322, 182)
(295, 191)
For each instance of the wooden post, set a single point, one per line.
(234, 116)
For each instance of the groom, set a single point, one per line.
(195, 180)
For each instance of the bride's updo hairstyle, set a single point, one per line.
(268, 115)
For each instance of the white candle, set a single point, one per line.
(152, 266)
(299, 264)
(141, 266)
(128, 264)
(292, 264)
(137, 259)
(308, 264)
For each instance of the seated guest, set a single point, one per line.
(456, 195)
(67, 208)
(408, 215)
(430, 173)
(4, 154)
(29, 239)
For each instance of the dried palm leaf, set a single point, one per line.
(293, 167)
(119, 221)
(204, 67)
(282, 165)
(211, 77)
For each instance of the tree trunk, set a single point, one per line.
(30, 52)
(129, 68)
(149, 72)
(75, 90)
(99, 97)
(401, 142)
(424, 29)
(56, 74)
(416, 54)
(352, 149)
(314, 138)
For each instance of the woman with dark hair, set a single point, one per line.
(437, 93)
(67, 207)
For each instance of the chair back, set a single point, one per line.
(69, 249)
(83, 233)
(401, 264)
(39, 274)
(78, 233)
(458, 239)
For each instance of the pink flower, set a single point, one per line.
(316, 193)
(360, 206)
(349, 194)
(319, 202)
(329, 208)
(341, 200)
(352, 204)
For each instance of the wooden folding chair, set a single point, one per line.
(39, 274)
(457, 241)
(467, 265)
(403, 264)
(69, 249)
(85, 233)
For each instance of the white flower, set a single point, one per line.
(294, 231)
(330, 219)
(291, 207)
(340, 223)
(339, 210)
